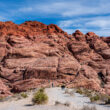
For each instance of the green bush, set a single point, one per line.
(79, 90)
(94, 98)
(87, 92)
(24, 95)
(40, 97)
(41, 90)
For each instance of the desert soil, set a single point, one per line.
(55, 94)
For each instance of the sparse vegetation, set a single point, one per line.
(100, 97)
(79, 90)
(24, 95)
(85, 92)
(40, 97)
(88, 93)
(94, 98)
(41, 90)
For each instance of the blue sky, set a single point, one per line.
(85, 15)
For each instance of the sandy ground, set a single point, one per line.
(55, 94)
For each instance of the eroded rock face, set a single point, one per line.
(33, 55)
(85, 79)
(4, 90)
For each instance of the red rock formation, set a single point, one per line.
(34, 54)
(4, 90)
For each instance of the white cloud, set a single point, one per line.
(70, 23)
(69, 31)
(99, 25)
(66, 23)
(98, 32)
(69, 8)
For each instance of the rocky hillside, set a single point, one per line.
(33, 54)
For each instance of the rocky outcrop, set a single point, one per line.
(4, 90)
(34, 55)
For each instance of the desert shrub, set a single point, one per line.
(100, 97)
(87, 93)
(94, 98)
(41, 90)
(79, 90)
(24, 95)
(88, 108)
(40, 97)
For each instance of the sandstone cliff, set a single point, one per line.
(33, 54)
